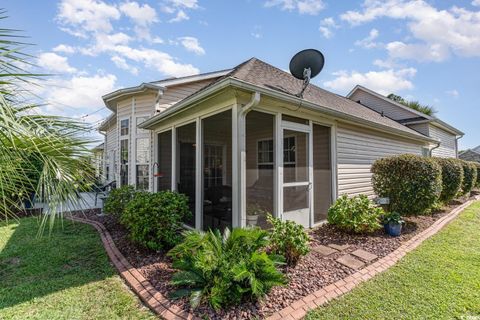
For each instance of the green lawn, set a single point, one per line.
(64, 276)
(438, 280)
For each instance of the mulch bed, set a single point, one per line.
(313, 272)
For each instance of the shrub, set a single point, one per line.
(357, 214)
(469, 176)
(288, 239)
(118, 199)
(452, 178)
(477, 184)
(224, 270)
(413, 183)
(154, 220)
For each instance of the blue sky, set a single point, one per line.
(423, 50)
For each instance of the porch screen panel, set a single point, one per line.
(260, 165)
(217, 171)
(186, 163)
(322, 172)
(162, 171)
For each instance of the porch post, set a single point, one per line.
(199, 177)
(237, 185)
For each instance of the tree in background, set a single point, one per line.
(428, 110)
(39, 153)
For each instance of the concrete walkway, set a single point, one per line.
(85, 201)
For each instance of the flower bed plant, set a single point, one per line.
(118, 199)
(357, 214)
(288, 239)
(469, 176)
(225, 269)
(452, 178)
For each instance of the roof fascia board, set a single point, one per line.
(127, 91)
(445, 126)
(280, 95)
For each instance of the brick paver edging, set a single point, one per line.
(299, 308)
(141, 286)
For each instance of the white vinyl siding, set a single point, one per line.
(357, 149)
(176, 93)
(420, 127)
(375, 103)
(110, 150)
(447, 147)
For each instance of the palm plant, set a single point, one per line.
(38, 153)
(224, 270)
(426, 109)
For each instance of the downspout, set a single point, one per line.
(456, 144)
(243, 156)
(438, 145)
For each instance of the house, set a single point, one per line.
(470, 154)
(239, 139)
(428, 125)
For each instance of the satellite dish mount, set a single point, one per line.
(305, 65)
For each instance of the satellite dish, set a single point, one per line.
(305, 65)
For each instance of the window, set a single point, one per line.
(142, 176)
(124, 162)
(163, 168)
(265, 152)
(139, 121)
(124, 126)
(425, 152)
(142, 159)
(107, 172)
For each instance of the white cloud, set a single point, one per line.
(91, 15)
(192, 45)
(454, 30)
(53, 62)
(161, 61)
(105, 43)
(122, 64)
(476, 3)
(384, 82)
(188, 4)
(311, 7)
(369, 42)
(326, 26)
(142, 15)
(454, 93)
(420, 52)
(64, 48)
(181, 16)
(79, 92)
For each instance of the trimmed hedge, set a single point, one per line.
(413, 183)
(118, 199)
(477, 164)
(154, 220)
(452, 178)
(469, 176)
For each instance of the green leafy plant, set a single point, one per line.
(392, 217)
(452, 178)
(38, 153)
(413, 183)
(224, 269)
(154, 220)
(428, 110)
(288, 239)
(118, 200)
(469, 176)
(357, 214)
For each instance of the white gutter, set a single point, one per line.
(251, 104)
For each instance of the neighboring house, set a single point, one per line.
(470, 154)
(97, 160)
(428, 125)
(237, 139)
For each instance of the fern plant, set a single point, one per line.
(224, 269)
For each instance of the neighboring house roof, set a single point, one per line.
(193, 78)
(470, 155)
(421, 117)
(99, 147)
(257, 75)
(476, 149)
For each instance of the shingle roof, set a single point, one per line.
(265, 75)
